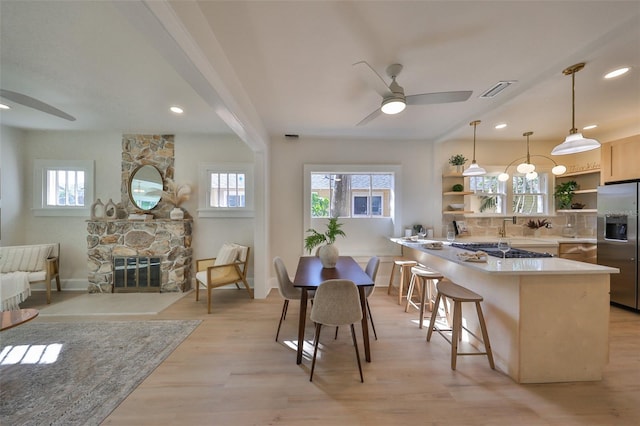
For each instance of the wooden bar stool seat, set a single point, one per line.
(405, 266)
(459, 295)
(426, 278)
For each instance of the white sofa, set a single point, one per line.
(21, 266)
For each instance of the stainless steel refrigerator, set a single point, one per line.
(618, 239)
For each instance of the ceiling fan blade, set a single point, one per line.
(438, 97)
(30, 102)
(370, 117)
(372, 78)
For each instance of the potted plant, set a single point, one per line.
(328, 253)
(458, 161)
(535, 225)
(564, 194)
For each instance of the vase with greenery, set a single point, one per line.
(327, 252)
(458, 161)
(564, 193)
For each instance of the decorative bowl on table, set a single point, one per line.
(577, 206)
(458, 206)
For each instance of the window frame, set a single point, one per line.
(395, 201)
(41, 167)
(204, 208)
(509, 194)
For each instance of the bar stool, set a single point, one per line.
(458, 295)
(427, 279)
(405, 266)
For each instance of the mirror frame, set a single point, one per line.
(159, 181)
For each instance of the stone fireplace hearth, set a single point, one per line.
(169, 240)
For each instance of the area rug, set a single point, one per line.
(78, 373)
(113, 304)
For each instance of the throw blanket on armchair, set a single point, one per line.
(14, 289)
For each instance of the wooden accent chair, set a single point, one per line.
(229, 267)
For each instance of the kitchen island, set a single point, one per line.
(548, 318)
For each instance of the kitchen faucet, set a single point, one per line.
(502, 232)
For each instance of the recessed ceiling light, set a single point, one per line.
(501, 126)
(617, 73)
(3, 106)
(176, 109)
(590, 126)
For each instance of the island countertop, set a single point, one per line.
(514, 266)
(547, 318)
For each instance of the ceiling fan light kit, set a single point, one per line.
(574, 142)
(393, 105)
(474, 169)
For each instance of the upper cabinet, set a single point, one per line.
(620, 159)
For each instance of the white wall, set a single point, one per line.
(105, 148)
(11, 185)
(422, 164)
(210, 233)
(420, 183)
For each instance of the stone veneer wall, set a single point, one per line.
(168, 239)
(140, 150)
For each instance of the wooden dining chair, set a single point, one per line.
(336, 303)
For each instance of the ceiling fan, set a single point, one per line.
(34, 103)
(393, 98)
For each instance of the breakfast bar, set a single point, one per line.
(547, 318)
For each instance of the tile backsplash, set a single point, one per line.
(569, 224)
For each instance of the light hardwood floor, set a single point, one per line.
(230, 371)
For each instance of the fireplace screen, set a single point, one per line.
(136, 274)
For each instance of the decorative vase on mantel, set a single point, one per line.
(328, 255)
(176, 214)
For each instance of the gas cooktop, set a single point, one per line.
(492, 250)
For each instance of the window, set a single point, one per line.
(490, 194)
(367, 198)
(63, 187)
(530, 196)
(226, 190)
(354, 195)
(516, 196)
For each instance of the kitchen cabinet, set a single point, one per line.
(619, 159)
(449, 196)
(587, 192)
(582, 252)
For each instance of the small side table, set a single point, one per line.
(9, 319)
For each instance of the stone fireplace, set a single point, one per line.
(162, 238)
(170, 240)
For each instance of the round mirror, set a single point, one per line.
(145, 187)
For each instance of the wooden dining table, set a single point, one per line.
(310, 274)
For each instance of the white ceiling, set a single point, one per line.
(267, 68)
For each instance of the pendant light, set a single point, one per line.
(527, 168)
(474, 169)
(575, 142)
